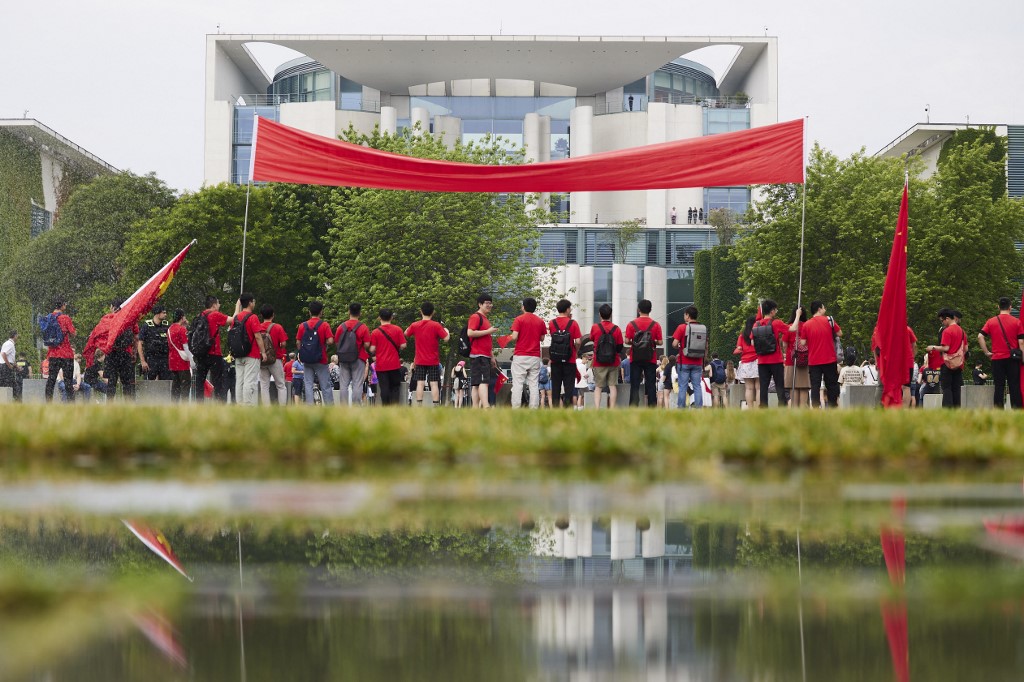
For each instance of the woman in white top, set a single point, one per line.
(870, 372)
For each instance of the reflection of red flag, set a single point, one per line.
(157, 543)
(894, 551)
(160, 633)
(892, 316)
(137, 305)
(894, 618)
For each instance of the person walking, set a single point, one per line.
(565, 341)
(769, 342)
(953, 345)
(528, 331)
(57, 332)
(313, 336)
(178, 357)
(1007, 336)
(386, 343)
(644, 337)
(427, 336)
(690, 359)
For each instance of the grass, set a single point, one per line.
(340, 443)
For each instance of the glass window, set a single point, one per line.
(41, 220)
(662, 79)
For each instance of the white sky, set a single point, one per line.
(124, 78)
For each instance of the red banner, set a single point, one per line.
(765, 155)
(892, 317)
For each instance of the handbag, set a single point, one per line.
(836, 340)
(801, 354)
(183, 353)
(956, 360)
(1015, 352)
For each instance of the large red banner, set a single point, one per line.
(765, 155)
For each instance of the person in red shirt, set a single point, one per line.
(178, 366)
(428, 336)
(278, 343)
(769, 366)
(953, 341)
(641, 369)
(746, 373)
(61, 356)
(387, 341)
(798, 381)
(247, 367)
(606, 374)
(352, 371)
(212, 362)
(120, 362)
(1006, 333)
(689, 370)
(565, 341)
(481, 351)
(821, 333)
(316, 367)
(528, 330)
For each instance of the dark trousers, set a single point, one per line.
(777, 371)
(214, 366)
(181, 383)
(120, 366)
(56, 365)
(563, 379)
(158, 370)
(648, 373)
(830, 373)
(11, 378)
(390, 382)
(1006, 372)
(951, 380)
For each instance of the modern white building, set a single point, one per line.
(555, 95)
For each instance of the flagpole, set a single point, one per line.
(800, 283)
(248, 189)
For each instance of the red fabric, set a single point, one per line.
(504, 340)
(362, 336)
(892, 316)
(480, 345)
(764, 155)
(427, 335)
(745, 350)
(64, 349)
(278, 339)
(953, 338)
(288, 371)
(387, 355)
(531, 330)
(215, 319)
(790, 339)
(323, 331)
(779, 328)
(563, 323)
(597, 331)
(177, 337)
(643, 323)
(997, 344)
(680, 335)
(252, 328)
(137, 305)
(894, 619)
(499, 381)
(821, 348)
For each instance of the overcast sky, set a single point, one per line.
(124, 78)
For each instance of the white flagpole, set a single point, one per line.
(800, 284)
(248, 189)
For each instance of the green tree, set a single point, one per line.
(995, 144)
(396, 249)
(625, 235)
(724, 222)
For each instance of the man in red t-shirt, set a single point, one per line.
(212, 362)
(528, 330)
(689, 370)
(565, 341)
(387, 342)
(352, 370)
(428, 336)
(952, 342)
(770, 365)
(120, 362)
(1006, 333)
(61, 356)
(312, 334)
(821, 332)
(642, 368)
(279, 344)
(247, 367)
(178, 366)
(606, 374)
(481, 351)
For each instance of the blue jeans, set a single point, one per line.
(690, 374)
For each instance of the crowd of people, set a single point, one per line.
(801, 360)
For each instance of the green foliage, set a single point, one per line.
(626, 234)
(716, 290)
(397, 249)
(724, 222)
(702, 267)
(986, 136)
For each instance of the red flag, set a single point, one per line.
(500, 381)
(157, 543)
(137, 305)
(503, 341)
(892, 316)
(764, 155)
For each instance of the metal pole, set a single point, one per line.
(800, 283)
(245, 232)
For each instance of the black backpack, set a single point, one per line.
(465, 343)
(310, 350)
(238, 338)
(643, 343)
(607, 350)
(763, 336)
(717, 371)
(199, 341)
(561, 342)
(348, 343)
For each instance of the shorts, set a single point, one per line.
(747, 370)
(606, 376)
(480, 370)
(298, 387)
(429, 373)
(546, 386)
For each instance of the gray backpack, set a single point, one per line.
(696, 340)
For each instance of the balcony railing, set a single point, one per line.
(343, 103)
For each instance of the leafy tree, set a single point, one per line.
(626, 233)
(724, 222)
(996, 152)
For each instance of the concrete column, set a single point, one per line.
(623, 542)
(544, 151)
(585, 298)
(656, 634)
(624, 298)
(388, 120)
(584, 535)
(531, 144)
(448, 129)
(570, 540)
(422, 116)
(652, 540)
(657, 131)
(581, 143)
(656, 291)
(572, 282)
(625, 623)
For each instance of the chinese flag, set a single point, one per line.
(892, 316)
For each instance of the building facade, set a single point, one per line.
(555, 96)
